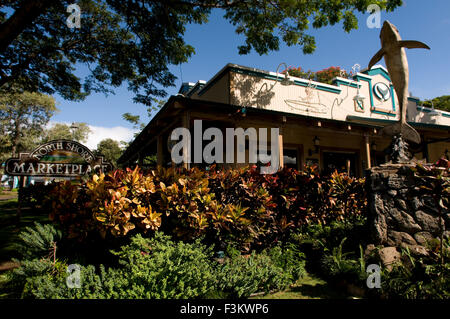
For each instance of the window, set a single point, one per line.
(291, 158)
(343, 162)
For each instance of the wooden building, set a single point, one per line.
(335, 126)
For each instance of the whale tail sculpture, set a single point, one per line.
(392, 49)
(405, 130)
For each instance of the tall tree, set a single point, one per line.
(134, 42)
(23, 117)
(78, 132)
(110, 149)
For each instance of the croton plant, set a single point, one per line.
(240, 206)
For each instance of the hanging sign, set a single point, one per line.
(58, 158)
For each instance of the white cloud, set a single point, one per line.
(118, 133)
(98, 133)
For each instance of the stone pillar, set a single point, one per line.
(400, 215)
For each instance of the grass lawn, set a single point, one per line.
(309, 287)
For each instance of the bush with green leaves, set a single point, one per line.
(425, 277)
(156, 267)
(237, 206)
(38, 241)
(43, 279)
(148, 268)
(20, 279)
(337, 265)
(161, 268)
(318, 240)
(289, 258)
(273, 269)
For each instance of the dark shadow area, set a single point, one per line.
(253, 92)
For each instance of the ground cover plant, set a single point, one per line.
(156, 267)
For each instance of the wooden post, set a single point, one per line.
(159, 151)
(186, 155)
(140, 160)
(367, 146)
(280, 144)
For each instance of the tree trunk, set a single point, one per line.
(20, 19)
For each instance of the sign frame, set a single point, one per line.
(32, 163)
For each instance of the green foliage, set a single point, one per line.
(425, 277)
(242, 207)
(136, 119)
(440, 103)
(23, 116)
(43, 279)
(58, 131)
(110, 149)
(325, 76)
(136, 42)
(241, 276)
(324, 248)
(21, 280)
(326, 237)
(289, 258)
(339, 265)
(161, 268)
(147, 268)
(39, 241)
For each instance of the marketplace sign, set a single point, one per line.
(58, 158)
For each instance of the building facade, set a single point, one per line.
(334, 126)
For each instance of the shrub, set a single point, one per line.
(241, 276)
(241, 206)
(158, 267)
(29, 270)
(323, 246)
(272, 269)
(149, 268)
(115, 203)
(289, 258)
(42, 279)
(162, 268)
(39, 241)
(338, 265)
(425, 277)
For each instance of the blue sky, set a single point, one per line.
(216, 45)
